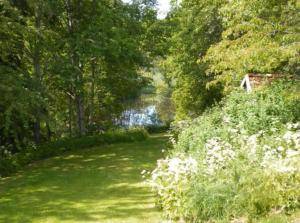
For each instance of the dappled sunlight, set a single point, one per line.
(92, 185)
(70, 157)
(106, 156)
(88, 160)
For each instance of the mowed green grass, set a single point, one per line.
(101, 184)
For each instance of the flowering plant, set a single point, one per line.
(245, 161)
(170, 180)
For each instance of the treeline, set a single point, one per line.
(67, 67)
(208, 46)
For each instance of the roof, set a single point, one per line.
(251, 80)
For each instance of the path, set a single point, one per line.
(92, 185)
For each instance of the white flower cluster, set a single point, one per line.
(172, 140)
(285, 157)
(292, 137)
(293, 126)
(226, 119)
(218, 153)
(284, 165)
(252, 143)
(170, 171)
(276, 152)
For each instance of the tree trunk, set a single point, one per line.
(72, 12)
(37, 132)
(37, 72)
(70, 115)
(79, 98)
(49, 133)
(91, 115)
(80, 114)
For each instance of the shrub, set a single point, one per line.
(157, 128)
(11, 163)
(169, 180)
(264, 174)
(247, 151)
(264, 110)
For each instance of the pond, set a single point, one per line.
(140, 117)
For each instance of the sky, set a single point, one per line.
(163, 7)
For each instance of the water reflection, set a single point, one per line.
(140, 117)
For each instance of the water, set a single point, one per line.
(141, 117)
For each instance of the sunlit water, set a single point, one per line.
(141, 117)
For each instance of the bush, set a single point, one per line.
(247, 151)
(157, 128)
(264, 110)
(169, 180)
(11, 163)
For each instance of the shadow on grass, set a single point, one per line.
(92, 185)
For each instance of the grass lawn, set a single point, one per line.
(101, 184)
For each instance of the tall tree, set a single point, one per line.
(199, 26)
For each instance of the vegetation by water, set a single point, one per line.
(69, 67)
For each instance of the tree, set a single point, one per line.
(199, 26)
(18, 99)
(68, 67)
(260, 37)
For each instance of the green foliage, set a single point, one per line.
(170, 182)
(198, 27)
(259, 37)
(246, 151)
(158, 128)
(261, 110)
(164, 103)
(68, 68)
(242, 190)
(11, 163)
(213, 44)
(18, 100)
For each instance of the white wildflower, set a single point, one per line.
(226, 119)
(280, 148)
(288, 136)
(174, 164)
(281, 166)
(291, 153)
(293, 126)
(252, 143)
(170, 171)
(218, 153)
(233, 130)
